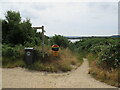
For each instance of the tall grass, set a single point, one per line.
(101, 74)
(63, 62)
(12, 64)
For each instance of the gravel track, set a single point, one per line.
(23, 78)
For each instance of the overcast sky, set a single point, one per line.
(68, 18)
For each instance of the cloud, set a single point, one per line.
(69, 18)
(59, 1)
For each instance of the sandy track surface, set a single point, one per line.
(23, 78)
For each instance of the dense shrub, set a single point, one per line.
(60, 40)
(106, 49)
(11, 54)
(97, 48)
(110, 56)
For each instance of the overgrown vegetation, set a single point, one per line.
(102, 74)
(18, 34)
(63, 62)
(106, 49)
(103, 55)
(14, 57)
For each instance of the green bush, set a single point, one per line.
(11, 55)
(106, 49)
(60, 40)
(10, 52)
(92, 44)
(110, 56)
(97, 49)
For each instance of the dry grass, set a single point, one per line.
(109, 77)
(65, 61)
(68, 57)
(12, 64)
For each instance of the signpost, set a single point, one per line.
(42, 38)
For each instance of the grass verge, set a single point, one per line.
(7, 63)
(66, 61)
(108, 76)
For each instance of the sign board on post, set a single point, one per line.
(42, 38)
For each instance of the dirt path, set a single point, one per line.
(22, 78)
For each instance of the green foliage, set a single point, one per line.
(81, 55)
(106, 49)
(16, 31)
(60, 40)
(11, 28)
(11, 54)
(97, 48)
(110, 56)
(18, 34)
(89, 43)
(13, 18)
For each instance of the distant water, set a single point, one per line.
(74, 40)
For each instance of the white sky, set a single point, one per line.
(68, 18)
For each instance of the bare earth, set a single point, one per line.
(23, 78)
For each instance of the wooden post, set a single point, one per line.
(42, 38)
(43, 41)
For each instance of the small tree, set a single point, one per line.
(60, 40)
(13, 18)
(17, 32)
